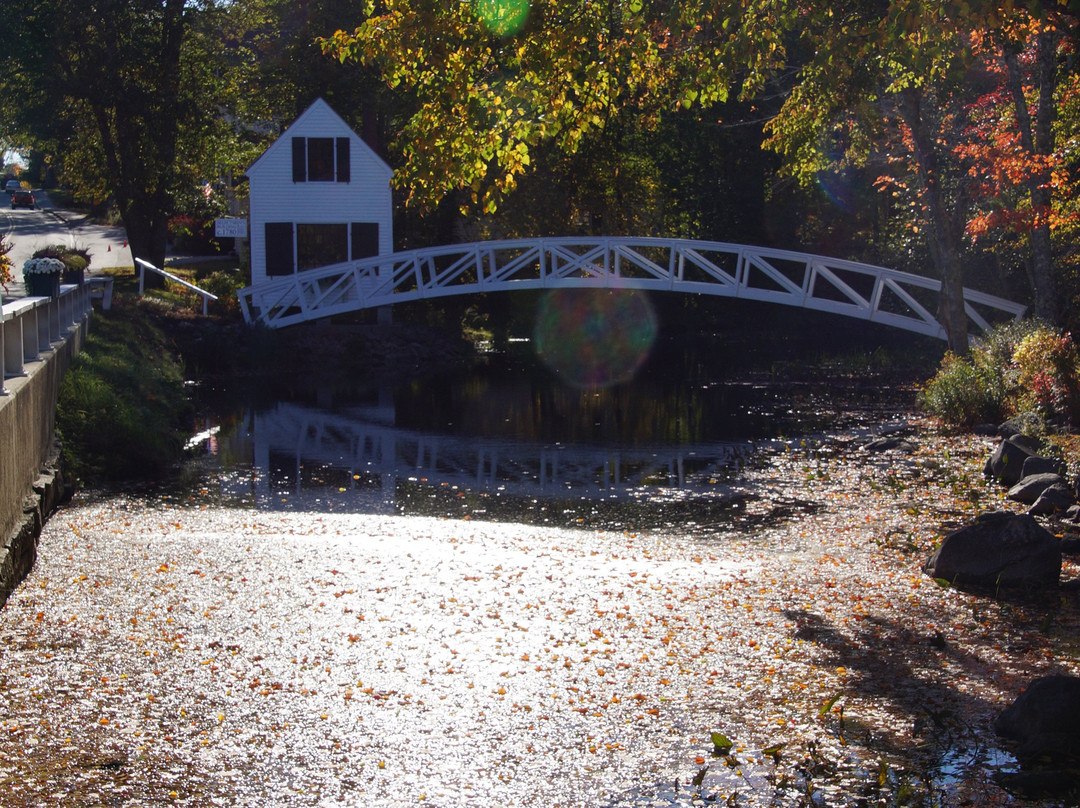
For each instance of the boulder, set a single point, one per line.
(1042, 465)
(890, 443)
(1044, 721)
(1070, 544)
(1026, 442)
(999, 552)
(1053, 499)
(1006, 464)
(1022, 425)
(1028, 489)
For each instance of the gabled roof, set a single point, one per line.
(316, 111)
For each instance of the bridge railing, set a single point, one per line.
(289, 441)
(30, 325)
(887, 296)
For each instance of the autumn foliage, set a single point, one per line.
(5, 263)
(1000, 153)
(1022, 368)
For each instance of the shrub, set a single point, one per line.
(74, 258)
(80, 252)
(1048, 369)
(52, 251)
(1015, 368)
(194, 235)
(74, 262)
(961, 395)
(5, 263)
(225, 285)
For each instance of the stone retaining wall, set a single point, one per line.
(31, 480)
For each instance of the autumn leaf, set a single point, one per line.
(721, 744)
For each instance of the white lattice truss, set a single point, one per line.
(886, 296)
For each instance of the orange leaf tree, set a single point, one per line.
(1019, 160)
(907, 85)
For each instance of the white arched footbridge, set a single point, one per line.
(886, 296)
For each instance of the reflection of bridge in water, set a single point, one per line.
(355, 460)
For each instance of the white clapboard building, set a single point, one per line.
(318, 195)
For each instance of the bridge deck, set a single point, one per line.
(887, 296)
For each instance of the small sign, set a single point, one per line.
(230, 228)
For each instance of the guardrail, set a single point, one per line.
(146, 265)
(29, 326)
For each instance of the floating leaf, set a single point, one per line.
(721, 744)
(773, 751)
(830, 704)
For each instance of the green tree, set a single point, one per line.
(888, 84)
(496, 82)
(493, 91)
(886, 87)
(900, 84)
(108, 82)
(280, 67)
(144, 101)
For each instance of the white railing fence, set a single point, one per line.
(29, 326)
(146, 266)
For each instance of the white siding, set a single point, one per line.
(274, 197)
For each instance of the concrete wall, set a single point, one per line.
(31, 482)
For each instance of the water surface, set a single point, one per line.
(500, 590)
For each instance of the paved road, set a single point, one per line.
(29, 230)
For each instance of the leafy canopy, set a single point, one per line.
(492, 83)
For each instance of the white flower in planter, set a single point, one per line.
(42, 266)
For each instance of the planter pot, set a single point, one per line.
(42, 285)
(74, 275)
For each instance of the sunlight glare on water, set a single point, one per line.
(405, 660)
(169, 650)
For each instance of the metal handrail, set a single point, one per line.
(146, 265)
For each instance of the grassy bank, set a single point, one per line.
(124, 411)
(122, 408)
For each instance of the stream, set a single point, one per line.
(409, 624)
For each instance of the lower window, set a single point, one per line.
(318, 245)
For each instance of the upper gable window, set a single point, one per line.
(320, 159)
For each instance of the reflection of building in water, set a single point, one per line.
(307, 458)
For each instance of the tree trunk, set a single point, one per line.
(943, 240)
(1037, 138)
(139, 140)
(147, 233)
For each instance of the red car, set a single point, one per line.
(22, 199)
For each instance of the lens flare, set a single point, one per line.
(503, 17)
(837, 188)
(595, 337)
